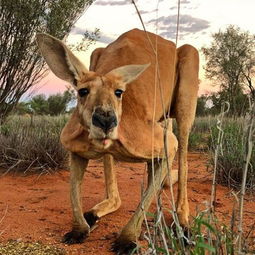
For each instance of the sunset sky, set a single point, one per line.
(198, 20)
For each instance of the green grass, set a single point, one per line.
(200, 133)
(206, 235)
(231, 158)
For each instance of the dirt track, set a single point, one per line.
(37, 208)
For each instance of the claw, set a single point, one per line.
(74, 237)
(186, 235)
(124, 247)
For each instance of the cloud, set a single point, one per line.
(78, 31)
(187, 25)
(146, 12)
(105, 38)
(113, 2)
(182, 1)
(102, 37)
(185, 2)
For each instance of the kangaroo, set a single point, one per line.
(122, 100)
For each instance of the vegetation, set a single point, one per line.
(22, 248)
(32, 144)
(200, 133)
(207, 235)
(202, 109)
(88, 39)
(20, 64)
(230, 64)
(40, 105)
(233, 150)
(53, 105)
(29, 143)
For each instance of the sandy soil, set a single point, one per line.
(37, 207)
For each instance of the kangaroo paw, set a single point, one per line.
(123, 247)
(74, 237)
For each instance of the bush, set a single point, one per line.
(27, 144)
(200, 133)
(231, 158)
(203, 137)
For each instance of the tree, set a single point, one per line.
(201, 105)
(22, 108)
(230, 63)
(53, 105)
(57, 104)
(218, 98)
(39, 105)
(20, 64)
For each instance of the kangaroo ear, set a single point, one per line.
(129, 73)
(60, 59)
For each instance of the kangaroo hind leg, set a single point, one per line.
(184, 111)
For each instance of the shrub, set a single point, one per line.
(200, 133)
(232, 154)
(27, 144)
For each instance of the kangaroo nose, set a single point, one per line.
(104, 119)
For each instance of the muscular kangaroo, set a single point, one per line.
(121, 101)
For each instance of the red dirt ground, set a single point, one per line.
(37, 207)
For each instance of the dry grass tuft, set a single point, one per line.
(27, 145)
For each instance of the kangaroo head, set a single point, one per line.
(99, 97)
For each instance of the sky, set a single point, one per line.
(199, 19)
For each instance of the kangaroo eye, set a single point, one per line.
(83, 92)
(118, 93)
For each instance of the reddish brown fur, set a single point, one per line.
(139, 134)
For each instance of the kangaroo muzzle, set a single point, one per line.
(106, 120)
